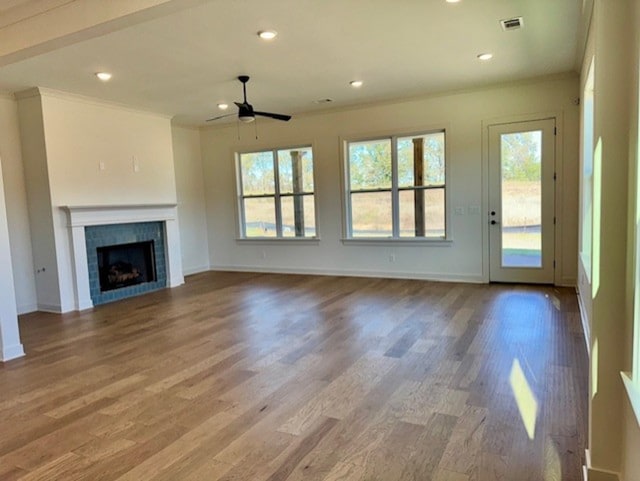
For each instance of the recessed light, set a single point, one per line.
(267, 34)
(104, 76)
(356, 83)
(453, 1)
(223, 106)
(485, 56)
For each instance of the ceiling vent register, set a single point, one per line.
(511, 24)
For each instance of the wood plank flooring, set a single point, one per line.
(239, 376)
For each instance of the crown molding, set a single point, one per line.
(59, 94)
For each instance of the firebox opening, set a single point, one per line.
(125, 265)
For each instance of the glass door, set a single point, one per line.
(521, 202)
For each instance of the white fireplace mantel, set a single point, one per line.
(81, 216)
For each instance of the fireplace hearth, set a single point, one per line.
(126, 265)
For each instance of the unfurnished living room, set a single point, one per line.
(330, 240)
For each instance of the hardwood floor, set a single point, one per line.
(239, 376)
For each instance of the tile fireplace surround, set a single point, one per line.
(83, 216)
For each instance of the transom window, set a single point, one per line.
(396, 187)
(277, 193)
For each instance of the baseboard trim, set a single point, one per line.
(599, 475)
(11, 352)
(56, 309)
(592, 474)
(436, 277)
(195, 270)
(27, 308)
(568, 282)
(585, 322)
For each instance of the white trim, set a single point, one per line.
(27, 308)
(11, 352)
(568, 282)
(84, 215)
(431, 276)
(196, 270)
(54, 308)
(278, 240)
(633, 391)
(399, 241)
(600, 475)
(558, 116)
(592, 474)
(87, 215)
(584, 320)
(59, 94)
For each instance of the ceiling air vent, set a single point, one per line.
(511, 24)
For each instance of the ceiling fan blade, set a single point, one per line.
(271, 115)
(220, 117)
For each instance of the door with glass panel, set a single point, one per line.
(521, 202)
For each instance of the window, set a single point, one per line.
(276, 193)
(586, 233)
(396, 187)
(632, 379)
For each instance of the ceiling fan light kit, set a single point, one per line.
(246, 113)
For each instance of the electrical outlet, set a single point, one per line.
(263, 255)
(135, 163)
(101, 165)
(392, 257)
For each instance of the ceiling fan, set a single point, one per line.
(245, 109)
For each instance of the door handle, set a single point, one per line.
(494, 222)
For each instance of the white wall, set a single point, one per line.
(10, 346)
(614, 434)
(461, 114)
(34, 159)
(81, 134)
(17, 210)
(191, 199)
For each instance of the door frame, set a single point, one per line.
(558, 274)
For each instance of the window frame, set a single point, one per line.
(277, 196)
(395, 190)
(631, 380)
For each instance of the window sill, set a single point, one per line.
(369, 241)
(279, 240)
(633, 391)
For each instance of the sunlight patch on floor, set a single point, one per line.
(525, 398)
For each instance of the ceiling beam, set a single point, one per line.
(35, 27)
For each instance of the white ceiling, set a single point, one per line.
(183, 64)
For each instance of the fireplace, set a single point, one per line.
(94, 227)
(125, 260)
(124, 265)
